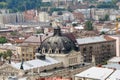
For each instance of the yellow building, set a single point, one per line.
(26, 52)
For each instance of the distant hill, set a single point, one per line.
(20, 5)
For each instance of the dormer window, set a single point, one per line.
(57, 50)
(50, 50)
(43, 50)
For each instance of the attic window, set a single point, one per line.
(57, 50)
(43, 50)
(50, 50)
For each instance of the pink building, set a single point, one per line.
(117, 37)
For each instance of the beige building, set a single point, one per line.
(44, 17)
(26, 52)
(97, 49)
(27, 49)
(40, 68)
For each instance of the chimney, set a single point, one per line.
(9, 61)
(40, 56)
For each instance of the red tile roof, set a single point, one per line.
(54, 78)
(108, 38)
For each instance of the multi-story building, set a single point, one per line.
(26, 52)
(44, 17)
(11, 18)
(58, 55)
(100, 48)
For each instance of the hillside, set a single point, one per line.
(21, 5)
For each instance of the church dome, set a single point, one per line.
(57, 43)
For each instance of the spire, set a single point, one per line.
(57, 31)
(21, 67)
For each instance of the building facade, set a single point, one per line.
(61, 48)
(98, 49)
(11, 18)
(26, 52)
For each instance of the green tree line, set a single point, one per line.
(22, 5)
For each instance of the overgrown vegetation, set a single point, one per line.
(3, 40)
(88, 25)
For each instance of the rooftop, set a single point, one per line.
(6, 47)
(90, 40)
(114, 76)
(114, 66)
(115, 59)
(36, 63)
(96, 73)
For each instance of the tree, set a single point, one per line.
(114, 1)
(3, 40)
(1, 54)
(88, 25)
(107, 5)
(102, 33)
(3, 4)
(106, 18)
(13, 33)
(4, 55)
(22, 5)
(9, 53)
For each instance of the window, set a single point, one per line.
(73, 60)
(84, 49)
(43, 50)
(22, 54)
(57, 50)
(50, 51)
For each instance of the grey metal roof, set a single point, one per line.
(36, 63)
(116, 66)
(90, 40)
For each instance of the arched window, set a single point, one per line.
(43, 50)
(50, 51)
(57, 50)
